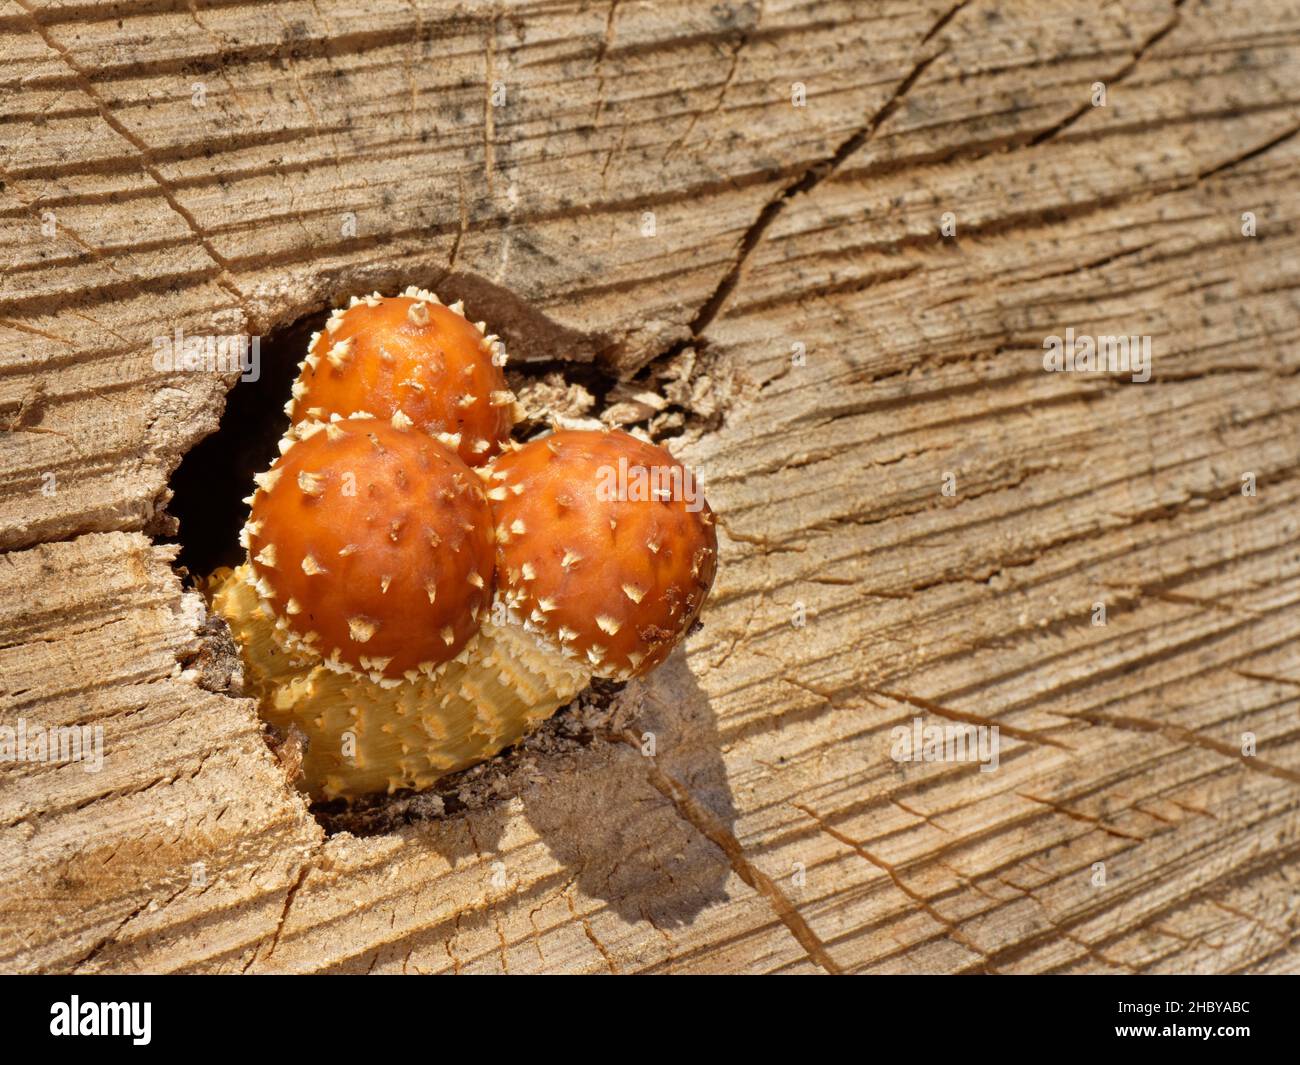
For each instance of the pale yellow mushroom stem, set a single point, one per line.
(365, 737)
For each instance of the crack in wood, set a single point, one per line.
(716, 832)
(951, 928)
(299, 879)
(146, 160)
(1114, 79)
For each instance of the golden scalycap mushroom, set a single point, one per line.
(605, 546)
(372, 547)
(411, 360)
(375, 551)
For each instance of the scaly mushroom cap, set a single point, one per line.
(605, 546)
(411, 358)
(372, 546)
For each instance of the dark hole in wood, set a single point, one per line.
(213, 479)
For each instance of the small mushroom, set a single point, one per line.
(372, 547)
(412, 361)
(606, 547)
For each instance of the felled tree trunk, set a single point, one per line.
(817, 250)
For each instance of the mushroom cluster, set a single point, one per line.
(420, 589)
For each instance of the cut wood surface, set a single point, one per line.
(844, 305)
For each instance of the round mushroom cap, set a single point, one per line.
(410, 358)
(605, 546)
(372, 547)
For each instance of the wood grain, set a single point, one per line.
(226, 167)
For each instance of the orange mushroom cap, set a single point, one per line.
(411, 358)
(372, 546)
(605, 546)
